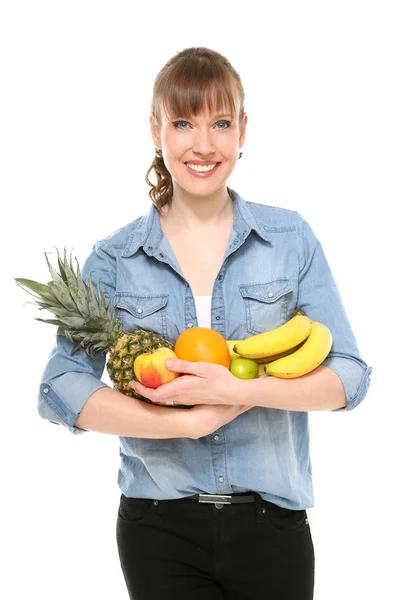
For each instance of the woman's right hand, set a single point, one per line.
(207, 418)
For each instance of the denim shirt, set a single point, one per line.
(273, 264)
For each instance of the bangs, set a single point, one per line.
(193, 88)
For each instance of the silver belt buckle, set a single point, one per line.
(212, 499)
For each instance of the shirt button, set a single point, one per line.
(216, 438)
(219, 277)
(190, 324)
(217, 318)
(236, 242)
(162, 254)
(369, 376)
(149, 247)
(140, 310)
(270, 294)
(46, 391)
(221, 479)
(155, 502)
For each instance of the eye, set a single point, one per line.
(178, 123)
(227, 123)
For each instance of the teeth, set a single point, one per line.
(201, 168)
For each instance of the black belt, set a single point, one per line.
(221, 499)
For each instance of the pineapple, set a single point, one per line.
(88, 322)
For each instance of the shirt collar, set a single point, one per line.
(148, 233)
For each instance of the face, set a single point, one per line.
(200, 152)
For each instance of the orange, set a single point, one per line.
(202, 344)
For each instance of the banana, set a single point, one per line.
(268, 359)
(261, 371)
(275, 341)
(307, 358)
(261, 361)
(231, 344)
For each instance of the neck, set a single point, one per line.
(190, 213)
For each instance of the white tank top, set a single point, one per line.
(203, 310)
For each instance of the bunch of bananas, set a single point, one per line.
(291, 350)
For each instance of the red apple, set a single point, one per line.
(150, 368)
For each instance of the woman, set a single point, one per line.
(213, 499)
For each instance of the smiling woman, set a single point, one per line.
(198, 124)
(240, 457)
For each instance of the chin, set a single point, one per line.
(204, 191)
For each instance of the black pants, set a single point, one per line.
(186, 550)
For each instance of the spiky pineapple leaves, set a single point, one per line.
(86, 320)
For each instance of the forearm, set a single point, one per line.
(109, 411)
(321, 389)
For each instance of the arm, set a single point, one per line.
(69, 382)
(109, 411)
(322, 389)
(342, 381)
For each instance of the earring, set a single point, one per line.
(240, 154)
(159, 154)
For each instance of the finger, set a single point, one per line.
(141, 389)
(186, 366)
(168, 391)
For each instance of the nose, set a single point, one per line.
(203, 142)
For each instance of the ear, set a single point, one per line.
(155, 132)
(243, 126)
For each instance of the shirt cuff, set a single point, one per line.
(62, 399)
(355, 376)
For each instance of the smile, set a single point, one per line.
(202, 170)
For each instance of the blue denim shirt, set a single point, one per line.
(273, 264)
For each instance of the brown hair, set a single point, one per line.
(191, 80)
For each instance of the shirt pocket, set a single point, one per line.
(266, 305)
(142, 312)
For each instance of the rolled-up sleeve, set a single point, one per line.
(68, 381)
(319, 298)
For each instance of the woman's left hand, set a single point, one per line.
(200, 383)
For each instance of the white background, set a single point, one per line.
(322, 95)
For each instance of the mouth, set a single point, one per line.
(202, 170)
